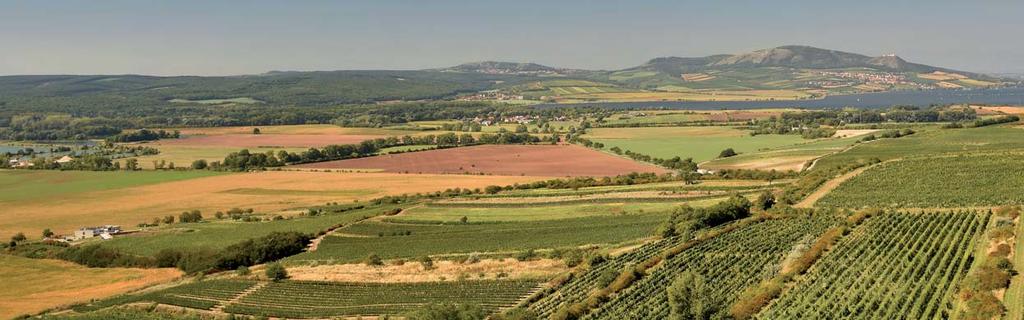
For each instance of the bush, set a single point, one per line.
(727, 153)
(374, 260)
(242, 271)
(448, 312)
(275, 271)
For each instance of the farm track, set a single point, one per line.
(832, 184)
(315, 243)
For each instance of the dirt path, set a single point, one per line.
(828, 186)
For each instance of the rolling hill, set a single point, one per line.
(787, 72)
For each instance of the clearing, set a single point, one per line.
(522, 160)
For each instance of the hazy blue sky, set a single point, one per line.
(241, 37)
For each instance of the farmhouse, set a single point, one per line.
(105, 232)
(20, 163)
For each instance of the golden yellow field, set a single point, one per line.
(266, 192)
(34, 285)
(697, 77)
(941, 76)
(289, 129)
(717, 95)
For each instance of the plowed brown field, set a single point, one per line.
(512, 160)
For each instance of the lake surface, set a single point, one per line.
(1006, 96)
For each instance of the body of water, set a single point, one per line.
(1003, 96)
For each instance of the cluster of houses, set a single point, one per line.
(512, 119)
(885, 78)
(27, 163)
(491, 95)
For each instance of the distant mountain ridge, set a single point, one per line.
(789, 56)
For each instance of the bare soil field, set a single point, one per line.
(512, 160)
(849, 133)
(266, 192)
(780, 163)
(412, 271)
(266, 140)
(34, 285)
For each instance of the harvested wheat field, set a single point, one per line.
(513, 160)
(34, 285)
(267, 140)
(266, 192)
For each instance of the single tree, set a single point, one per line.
(199, 164)
(765, 201)
(18, 237)
(47, 233)
(275, 271)
(374, 260)
(729, 152)
(688, 298)
(255, 130)
(131, 164)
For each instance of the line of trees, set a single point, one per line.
(267, 248)
(144, 135)
(245, 160)
(808, 123)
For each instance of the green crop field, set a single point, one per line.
(948, 182)
(699, 143)
(307, 299)
(197, 295)
(35, 185)
(933, 141)
(220, 234)
(897, 265)
(508, 212)
(388, 240)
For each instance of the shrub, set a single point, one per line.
(275, 271)
(374, 260)
(729, 152)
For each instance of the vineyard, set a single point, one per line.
(896, 265)
(948, 182)
(308, 299)
(731, 262)
(580, 285)
(198, 295)
(409, 240)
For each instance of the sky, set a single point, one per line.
(186, 37)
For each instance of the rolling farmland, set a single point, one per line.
(510, 160)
